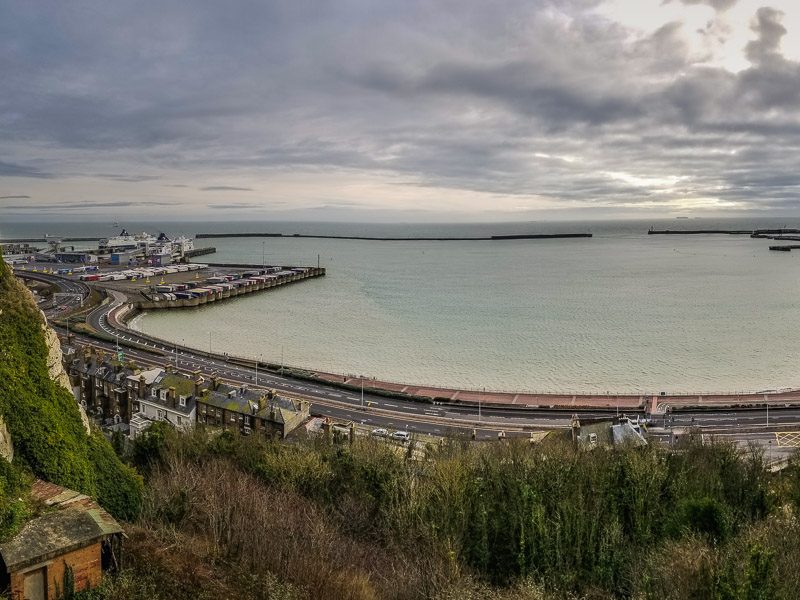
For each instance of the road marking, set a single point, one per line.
(788, 439)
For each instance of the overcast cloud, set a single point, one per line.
(449, 109)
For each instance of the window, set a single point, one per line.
(161, 414)
(163, 394)
(233, 416)
(153, 392)
(179, 420)
(182, 400)
(247, 419)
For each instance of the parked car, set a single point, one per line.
(63, 308)
(380, 432)
(401, 436)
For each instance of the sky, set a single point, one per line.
(421, 110)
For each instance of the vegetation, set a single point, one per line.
(44, 422)
(249, 518)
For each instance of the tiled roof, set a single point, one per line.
(279, 409)
(78, 522)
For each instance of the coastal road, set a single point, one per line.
(378, 411)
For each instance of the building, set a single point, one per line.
(250, 411)
(102, 386)
(76, 534)
(171, 398)
(69, 257)
(120, 396)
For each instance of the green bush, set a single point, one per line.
(43, 418)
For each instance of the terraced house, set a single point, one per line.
(171, 397)
(250, 411)
(103, 387)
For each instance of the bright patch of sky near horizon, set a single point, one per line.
(419, 111)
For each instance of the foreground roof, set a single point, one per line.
(77, 522)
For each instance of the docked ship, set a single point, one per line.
(126, 241)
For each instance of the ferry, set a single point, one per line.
(126, 241)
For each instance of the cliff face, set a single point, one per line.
(55, 367)
(50, 433)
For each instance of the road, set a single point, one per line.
(415, 417)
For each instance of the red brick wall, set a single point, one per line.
(85, 565)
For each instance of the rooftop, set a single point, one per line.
(78, 522)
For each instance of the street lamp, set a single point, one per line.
(258, 361)
(362, 391)
(263, 254)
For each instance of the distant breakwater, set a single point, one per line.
(751, 232)
(525, 236)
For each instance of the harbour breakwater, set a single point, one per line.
(525, 236)
(756, 233)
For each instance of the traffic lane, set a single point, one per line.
(393, 423)
(790, 415)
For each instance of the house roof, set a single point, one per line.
(77, 522)
(246, 401)
(149, 376)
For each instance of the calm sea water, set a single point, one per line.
(622, 311)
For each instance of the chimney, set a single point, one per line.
(214, 382)
(262, 402)
(198, 383)
(71, 339)
(117, 367)
(101, 355)
(171, 397)
(169, 368)
(142, 386)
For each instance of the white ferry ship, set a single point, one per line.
(126, 241)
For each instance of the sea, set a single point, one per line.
(620, 312)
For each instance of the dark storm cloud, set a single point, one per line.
(225, 188)
(546, 99)
(65, 206)
(14, 170)
(128, 178)
(717, 4)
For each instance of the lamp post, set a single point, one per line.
(362, 391)
(263, 254)
(209, 344)
(258, 361)
(281, 360)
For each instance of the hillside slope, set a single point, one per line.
(43, 419)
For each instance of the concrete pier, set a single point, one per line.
(152, 304)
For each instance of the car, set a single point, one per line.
(62, 308)
(401, 436)
(380, 432)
